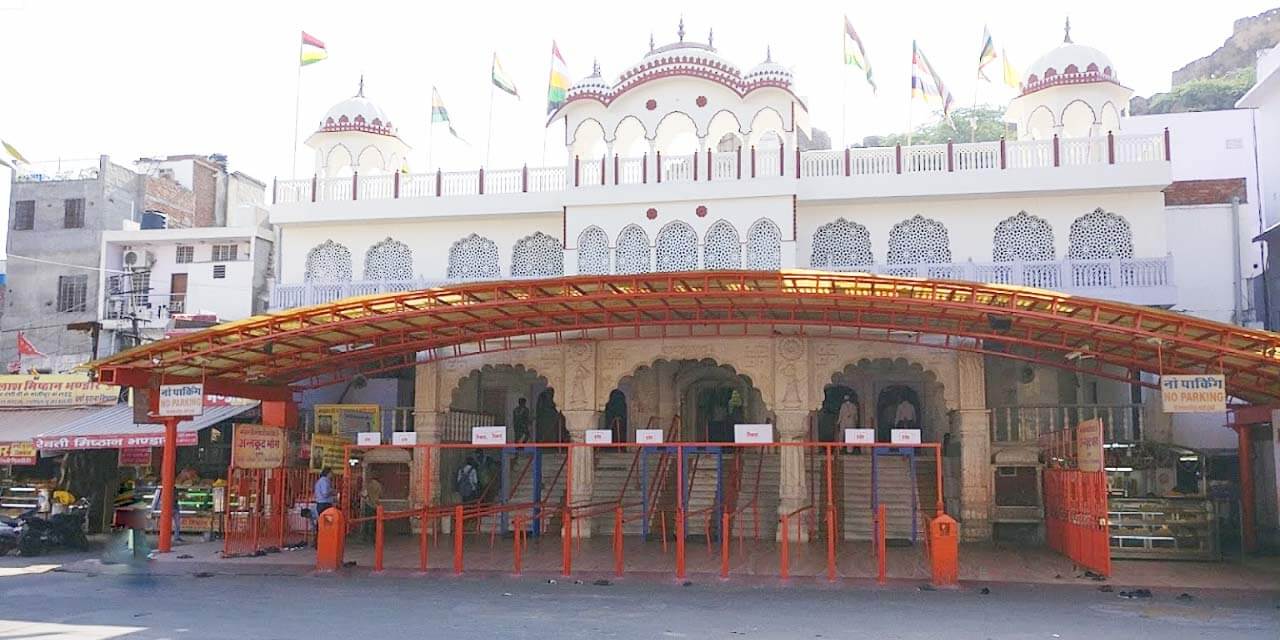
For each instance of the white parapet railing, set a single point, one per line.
(742, 164)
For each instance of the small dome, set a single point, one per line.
(357, 113)
(1069, 63)
(593, 83)
(768, 70)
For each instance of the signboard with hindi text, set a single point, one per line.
(649, 436)
(488, 435)
(1205, 393)
(368, 438)
(904, 436)
(135, 457)
(111, 441)
(181, 400)
(17, 453)
(859, 436)
(599, 436)
(1089, 445)
(328, 452)
(404, 438)
(753, 433)
(55, 390)
(254, 446)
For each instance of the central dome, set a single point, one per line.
(357, 113)
(1069, 63)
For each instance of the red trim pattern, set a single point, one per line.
(344, 124)
(1055, 79)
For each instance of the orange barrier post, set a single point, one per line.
(831, 543)
(662, 516)
(680, 543)
(944, 546)
(378, 532)
(422, 541)
(517, 564)
(566, 522)
(725, 538)
(618, 560)
(881, 550)
(330, 540)
(457, 540)
(784, 570)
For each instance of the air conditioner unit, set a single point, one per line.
(131, 259)
(137, 260)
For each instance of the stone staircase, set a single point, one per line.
(895, 492)
(610, 474)
(766, 495)
(523, 491)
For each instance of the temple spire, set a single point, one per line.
(595, 67)
(711, 38)
(651, 43)
(768, 53)
(680, 29)
(1066, 38)
(360, 91)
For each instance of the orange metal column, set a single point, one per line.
(168, 475)
(1248, 526)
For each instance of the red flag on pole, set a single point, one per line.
(25, 348)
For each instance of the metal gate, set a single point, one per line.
(265, 509)
(1075, 496)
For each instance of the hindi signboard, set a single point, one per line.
(328, 452)
(404, 438)
(859, 436)
(135, 457)
(599, 436)
(17, 453)
(488, 435)
(55, 390)
(254, 446)
(1089, 436)
(181, 400)
(111, 441)
(752, 433)
(904, 436)
(368, 438)
(1194, 393)
(649, 436)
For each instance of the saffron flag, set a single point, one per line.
(926, 84)
(13, 153)
(25, 348)
(500, 79)
(558, 86)
(855, 54)
(1010, 74)
(987, 55)
(313, 50)
(439, 113)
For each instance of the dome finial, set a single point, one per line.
(1067, 31)
(595, 66)
(360, 91)
(768, 53)
(651, 43)
(711, 38)
(680, 29)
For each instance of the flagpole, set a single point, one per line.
(431, 130)
(488, 141)
(911, 102)
(297, 103)
(844, 111)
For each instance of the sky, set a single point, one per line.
(133, 79)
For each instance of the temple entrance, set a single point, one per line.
(834, 416)
(709, 397)
(897, 407)
(515, 397)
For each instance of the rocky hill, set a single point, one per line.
(1248, 36)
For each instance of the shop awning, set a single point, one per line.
(102, 427)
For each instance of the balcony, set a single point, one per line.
(150, 310)
(1145, 281)
(871, 165)
(1023, 425)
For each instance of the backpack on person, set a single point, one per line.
(466, 482)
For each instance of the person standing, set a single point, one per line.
(847, 418)
(322, 495)
(372, 497)
(520, 420)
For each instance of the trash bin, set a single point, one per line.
(944, 551)
(331, 537)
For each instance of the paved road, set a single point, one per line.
(56, 605)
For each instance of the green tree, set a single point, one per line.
(983, 123)
(1205, 94)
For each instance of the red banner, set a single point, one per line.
(111, 441)
(135, 457)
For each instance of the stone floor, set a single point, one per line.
(748, 559)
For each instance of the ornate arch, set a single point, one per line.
(593, 251)
(1100, 235)
(537, 255)
(841, 244)
(764, 246)
(1023, 238)
(473, 258)
(388, 260)
(328, 261)
(919, 240)
(632, 255)
(722, 249)
(677, 247)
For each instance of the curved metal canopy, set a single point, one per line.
(270, 356)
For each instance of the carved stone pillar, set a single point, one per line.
(793, 486)
(581, 482)
(971, 423)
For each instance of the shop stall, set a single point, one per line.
(1159, 503)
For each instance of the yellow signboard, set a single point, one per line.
(1089, 453)
(257, 447)
(1193, 393)
(18, 453)
(329, 452)
(55, 390)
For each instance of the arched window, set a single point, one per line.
(764, 246)
(919, 240)
(841, 245)
(1023, 238)
(388, 260)
(632, 253)
(472, 258)
(593, 251)
(1100, 235)
(677, 247)
(328, 262)
(722, 249)
(537, 255)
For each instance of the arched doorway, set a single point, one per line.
(827, 421)
(897, 407)
(880, 387)
(708, 397)
(499, 390)
(615, 415)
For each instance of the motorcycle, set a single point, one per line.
(10, 531)
(39, 535)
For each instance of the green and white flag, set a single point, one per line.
(501, 80)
